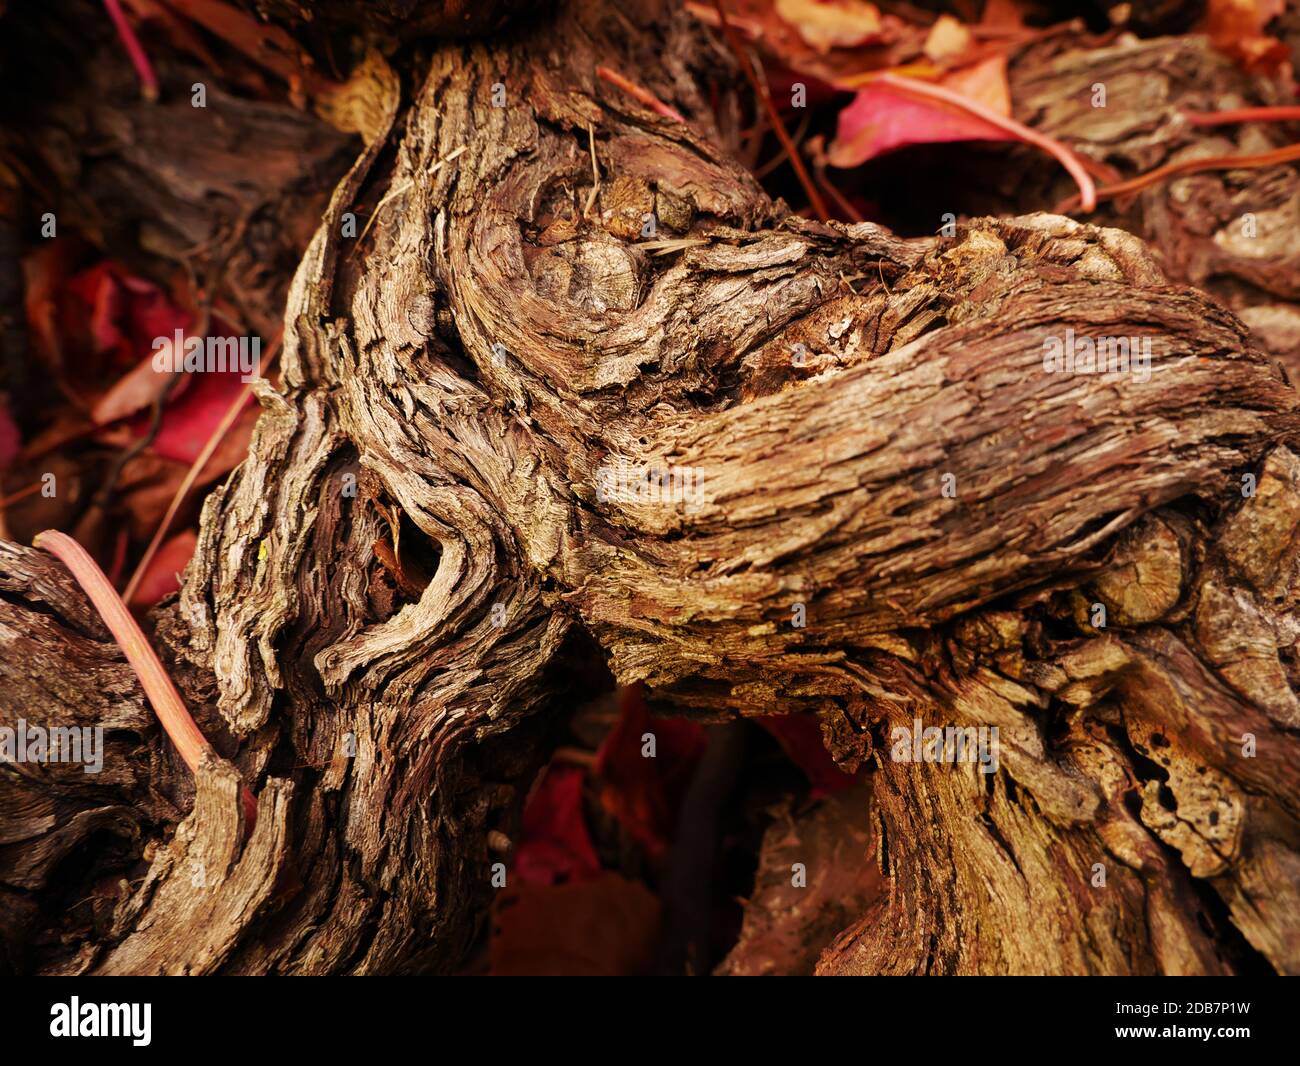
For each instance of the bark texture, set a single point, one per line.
(1230, 231)
(377, 621)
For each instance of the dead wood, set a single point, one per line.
(944, 513)
(399, 19)
(816, 875)
(231, 190)
(1229, 231)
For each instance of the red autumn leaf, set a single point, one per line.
(193, 412)
(644, 793)
(95, 328)
(190, 420)
(882, 119)
(604, 927)
(554, 845)
(800, 738)
(11, 440)
(112, 317)
(160, 579)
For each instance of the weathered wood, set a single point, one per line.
(504, 332)
(1229, 231)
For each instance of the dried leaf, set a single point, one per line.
(827, 24)
(605, 927)
(896, 42)
(161, 578)
(554, 845)
(948, 38)
(800, 738)
(190, 421)
(95, 329)
(644, 793)
(134, 391)
(365, 101)
(1236, 28)
(881, 119)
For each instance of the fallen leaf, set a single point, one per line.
(134, 391)
(644, 793)
(161, 578)
(145, 488)
(119, 316)
(894, 43)
(190, 421)
(605, 927)
(1002, 15)
(984, 82)
(11, 440)
(270, 46)
(36, 511)
(948, 38)
(827, 24)
(45, 270)
(800, 737)
(93, 326)
(882, 119)
(1236, 28)
(554, 845)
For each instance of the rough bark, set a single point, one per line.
(400, 19)
(501, 332)
(816, 875)
(1229, 231)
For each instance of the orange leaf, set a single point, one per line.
(1236, 28)
(984, 82)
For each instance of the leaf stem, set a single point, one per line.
(774, 117)
(643, 96)
(196, 468)
(1068, 159)
(158, 686)
(1190, 166)
(139, 59)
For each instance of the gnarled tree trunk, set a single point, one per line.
(905, 518)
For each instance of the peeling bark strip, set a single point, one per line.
(904, 517)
